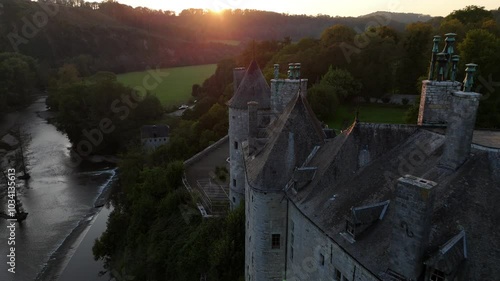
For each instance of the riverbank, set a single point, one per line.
(59, 260)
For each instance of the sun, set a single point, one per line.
(216, 10)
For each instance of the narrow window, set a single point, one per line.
(291, 253)
(234, 182)
(235, 145)
(331, 254)
(321, 259)
(275, 241)
(337, 275)
(234, 200)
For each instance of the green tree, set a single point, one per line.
(471, 15)
(417, 45)
(336, 85)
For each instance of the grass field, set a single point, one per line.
(371, 113)
(175, 89)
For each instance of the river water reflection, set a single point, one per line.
(57, 197)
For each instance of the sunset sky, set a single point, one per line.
(314, 7)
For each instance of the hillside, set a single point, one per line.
(120, 38)
(399, 17)
(109, 43)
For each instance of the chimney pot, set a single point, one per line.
(469, 77)
(276, 71)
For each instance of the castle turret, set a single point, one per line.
(290, 139)
(252, 87)
(436, 90)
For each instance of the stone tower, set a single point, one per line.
(436, 90)
(249, 85)
(290, 139)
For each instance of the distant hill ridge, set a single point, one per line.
(400, 17)
(120, 38)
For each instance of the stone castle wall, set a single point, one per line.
(265, 216)
(238, 132)
(317, 257)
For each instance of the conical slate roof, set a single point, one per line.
(291, 138)
(253, 87)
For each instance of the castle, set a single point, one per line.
(377, 201)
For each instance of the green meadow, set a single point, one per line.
(370, 113)
(174, 89)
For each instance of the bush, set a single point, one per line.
(405, 101)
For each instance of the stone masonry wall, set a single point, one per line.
(317, 257)
(283, 90)
(411, 227)
(435, 102)
(460, 129)
(238, 132)
(265, 216)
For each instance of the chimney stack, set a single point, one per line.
(435, 97)
(411, 226)
(253, 122)
(461, 123)
(276, 71)
(238, 74)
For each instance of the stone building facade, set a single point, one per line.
(376, 202)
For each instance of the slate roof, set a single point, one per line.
(154, 131)
(465, 199)
(290, 140)
(450, 255)
(253, 87)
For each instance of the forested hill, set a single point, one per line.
(107, 38)
(119, 38)
(399, 17)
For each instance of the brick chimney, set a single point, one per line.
(411, 226)
(253, 123)
(462, 119)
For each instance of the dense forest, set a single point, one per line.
(155, 231)
(109, 36)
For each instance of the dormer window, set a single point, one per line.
(362, 218)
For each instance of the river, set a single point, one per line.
(60, 202)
